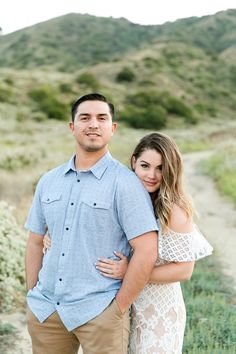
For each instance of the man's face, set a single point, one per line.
(93, 126)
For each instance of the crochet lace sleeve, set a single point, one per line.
(183, 247)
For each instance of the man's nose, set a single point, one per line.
(93, 122)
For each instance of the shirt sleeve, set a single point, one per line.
(183, 247)
(36, 221)
(134, 207)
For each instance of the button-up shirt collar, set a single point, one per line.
(98, 169)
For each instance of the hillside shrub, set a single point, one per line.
(12, 160)
(5, 94)
(12, 245)
(65, 87)
(152, 117)
(87, 79)
(125, 75)
(153, 63)
(47, 101)
(176, 106)
(150, 109)
(9, 81)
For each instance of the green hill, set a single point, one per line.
(158, 76)
(74, 40)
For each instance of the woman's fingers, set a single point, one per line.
(105, 269)
(120, 255)
(106, 261)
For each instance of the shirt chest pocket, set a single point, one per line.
(96, 214)
(51, 205)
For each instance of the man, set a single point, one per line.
(91, 206)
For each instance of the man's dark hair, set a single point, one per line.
(90, 97)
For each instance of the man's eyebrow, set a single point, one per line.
(88, 114)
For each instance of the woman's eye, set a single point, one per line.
(144, 166)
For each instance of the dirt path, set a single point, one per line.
(217, 221)
(217, 216)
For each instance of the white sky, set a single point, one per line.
(17, 14)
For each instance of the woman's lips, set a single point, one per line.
(150, 183)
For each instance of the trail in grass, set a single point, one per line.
(217, 215)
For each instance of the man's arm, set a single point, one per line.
(33, 259)
(139, 269)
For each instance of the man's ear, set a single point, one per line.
(133, 162)
(114, 127)
(71, 126)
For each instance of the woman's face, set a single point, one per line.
(148, 167)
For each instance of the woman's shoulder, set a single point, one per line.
(179, 220)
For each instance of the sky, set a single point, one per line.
(17, 14)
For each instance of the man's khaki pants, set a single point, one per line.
(107, 333)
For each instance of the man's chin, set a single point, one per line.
(93, 148)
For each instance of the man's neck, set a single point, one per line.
(84, 160)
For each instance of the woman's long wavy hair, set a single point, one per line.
(171, 188)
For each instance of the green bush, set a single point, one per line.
(47, 101)
(9, 81)
(8, 337)
(87, 79)
(65, 87)
(12, 160)
(152, 117)
(12, 245)
(5, 94)
(125, 75)
(175, 106)
(150, 109)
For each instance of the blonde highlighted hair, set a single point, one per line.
(171, 188)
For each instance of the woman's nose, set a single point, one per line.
(151, 174)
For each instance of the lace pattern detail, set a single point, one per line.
(158, 314)
(158, 320)
(183, 247)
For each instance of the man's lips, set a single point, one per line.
(93, 134)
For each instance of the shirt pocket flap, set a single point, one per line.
(47, 199)
(97, 204)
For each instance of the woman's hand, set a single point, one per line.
(110, 268)
(46, 243)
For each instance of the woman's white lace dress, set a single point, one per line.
(158, 315)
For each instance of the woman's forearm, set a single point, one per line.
(171, 272)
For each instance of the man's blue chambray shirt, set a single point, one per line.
(89, 214)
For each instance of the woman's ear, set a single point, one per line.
(133, 163)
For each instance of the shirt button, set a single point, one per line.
(94, 204)
(60, 279)
(78, 180)
(67, 228)
(71, 203)
(63, 254)
(58, 303)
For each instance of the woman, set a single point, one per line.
(158, 314)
